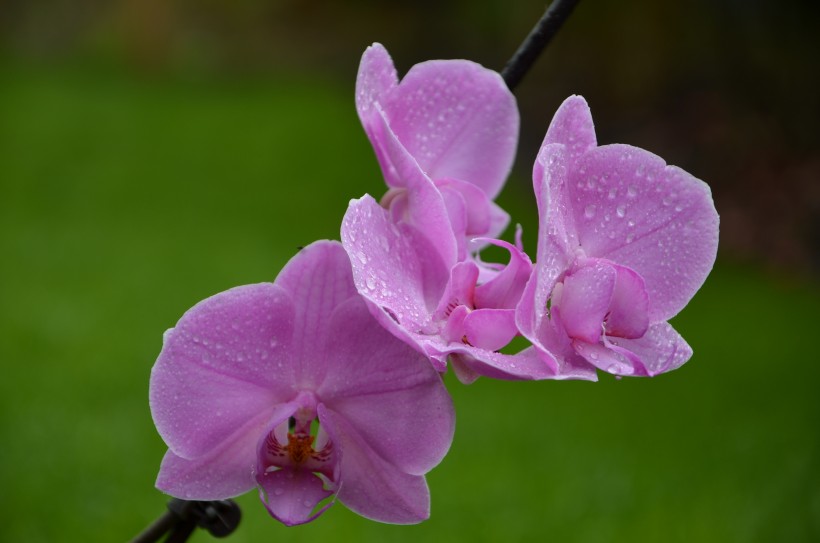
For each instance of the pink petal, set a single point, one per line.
(453, 330)
(556, 244)
(490, 329)
(226, 471)
(371, 486)
(377, 77)
(228, 359)
(479, 208)
(555, 348)
(457, 211)
(460, 289)
(584, 300)
(459, 120)
(628, 312)
(387, 391)
(528, 364)
(386, 268)
(291, 495)
(660, 350)
(572, 127)
(426, 211)
(462, 370)
(318, 278)
(658, 220)
(505, 289)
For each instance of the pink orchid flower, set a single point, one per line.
(455, 121)
(624, 243)
(246, 377)
(407, 268)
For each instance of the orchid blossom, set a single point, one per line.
(455, 121)
(624, 243)
(246, 377)
(407, 268)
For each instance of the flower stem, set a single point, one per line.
(219, 517)
(538, 39)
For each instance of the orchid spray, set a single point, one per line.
(325, 386)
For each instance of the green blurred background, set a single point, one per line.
(153, 153)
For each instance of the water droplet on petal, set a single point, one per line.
(279, 491)
(632, 191)
(371, 283)
(589, 211)
(621, 211)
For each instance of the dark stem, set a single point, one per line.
(541, 34)
(219, 517)
(157, 529)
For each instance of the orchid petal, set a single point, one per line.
(291, 495)
(227, 359)
(478, 207)
(572, 127)
(453, 330)
(386, 268)
(609, 360)
(370, 485)
(628, 311)
(387, 391)
(585, 299)
(426, 211)
(658, 220)
(462, 370)
(460, 289)
(457, 211)
(505, 289)
(556, 246)
(459, 120)
(660, 350)
(490, 329)
(528, 364)
(223, 472)
(376, 78)
(318, 278)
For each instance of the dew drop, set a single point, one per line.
(362, 258)
(279, 491)
(589, 211)
(632, 191)
(371, 283)
(613, 192)
(620, 211)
